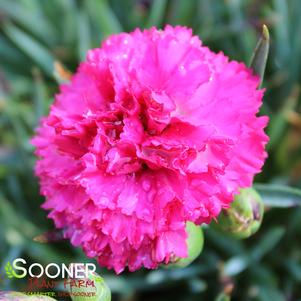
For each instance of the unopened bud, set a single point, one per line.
(245, 215)
(195, 243)
(16, 296)
(95, 290)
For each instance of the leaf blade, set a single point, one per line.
(37, 52)
(157, 13)
(279, 196)
(260, 54)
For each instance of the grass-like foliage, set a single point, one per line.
(35, 33)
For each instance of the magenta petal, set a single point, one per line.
(152, 131)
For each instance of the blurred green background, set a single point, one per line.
(34, 33)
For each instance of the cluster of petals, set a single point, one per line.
(153, 130)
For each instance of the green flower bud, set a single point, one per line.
(195, 243)
(245, 215)
(100, 291)
(16, 296)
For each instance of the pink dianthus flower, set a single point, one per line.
(152, 131)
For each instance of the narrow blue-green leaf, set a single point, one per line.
(270, 293)
(197, 285)
(84, 34)
(278, 195)
(261, 273)
(295, 28)
(13, 60)
(227, 244)
(103, 16)
(239, 23)
(278, 121)
(181, 11)
(69, 11)
(40, 95)
(32, 48)
(282, 31)
(28, 18)
(268, 242)
(260, 54)
(15, 189)
(236, 265)
(294, 268)
(157, 13)
(223, 297)
(158, 278)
